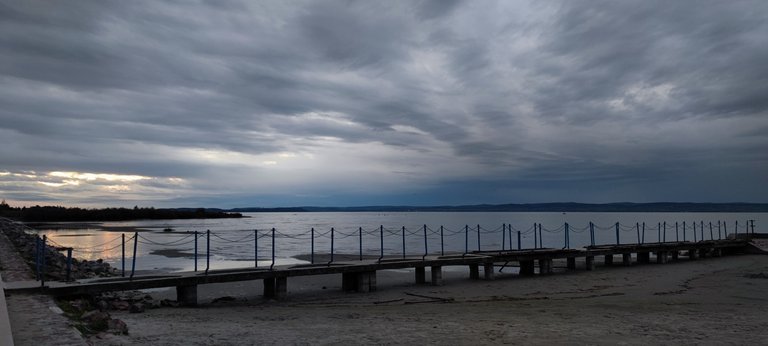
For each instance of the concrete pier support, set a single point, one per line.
(437, 275)
(608, 260)
(626, 259)
(571, 263)
(643, 257)
(662, 257)
(474, 272)
(693, 254)
(488, 271)
(421, 275)
(187, 295)
(359, 281)
(675, 255)
(590, 262)
(545, 266)
(526, 267)
(269, 288)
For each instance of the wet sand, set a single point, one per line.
(710, 301)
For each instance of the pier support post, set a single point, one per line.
(545, 266)
(421, 275)
(693, 254)
(626, 259)
(608, 260)
(359, 281)
(571, 263)
(269, 288)
(437, 275)
(644, 257)
(590, 262)
(187, 295)
(661, 257)
(526, 267)
(474, 272)
(675, 255)
(488, 271)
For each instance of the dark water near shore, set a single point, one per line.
(232, 243)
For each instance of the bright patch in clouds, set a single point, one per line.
(97, 176)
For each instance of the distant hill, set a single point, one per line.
(660, 207)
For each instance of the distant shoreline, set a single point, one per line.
(664, 207)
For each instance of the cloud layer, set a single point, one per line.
(404, 102)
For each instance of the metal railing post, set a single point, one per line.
(426, 251)
(618, 241)
(381, 249)
(122, 262)
(519, 246)
(69, 264)
(196, 238)
(135, 247)
(312, 246)
(503, 236)
(478, 238)
(272, 266)
(255, 248)
(360, 240)
(403, 241)
(333, 230)
(207, 250)
(535, 236)
(442, 242)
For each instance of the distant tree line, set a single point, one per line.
(57, 213)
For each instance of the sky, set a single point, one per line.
(350, 103)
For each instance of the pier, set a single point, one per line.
(360, 276)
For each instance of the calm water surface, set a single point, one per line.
(234, 242)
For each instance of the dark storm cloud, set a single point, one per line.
(434, 101)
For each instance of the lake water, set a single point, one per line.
(234, 243)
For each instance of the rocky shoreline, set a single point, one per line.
(55, 260)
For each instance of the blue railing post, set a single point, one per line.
(478, 237)
(658, 229)
(122, 262)
(272, 266)
(519, 245)
(207, 250)
(360, 241)
(503, 236)
(442, 243)
(332, 244)
(135, 246)
(403, 241)
(541, 237)
(466, 239)
(69, 264)
(618, 241)
(694, 232)
(312, 246)
(426, 251)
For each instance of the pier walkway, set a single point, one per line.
(360, 276)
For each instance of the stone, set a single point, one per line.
(136, 308)
(117, 326)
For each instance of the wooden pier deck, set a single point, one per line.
(360, 276)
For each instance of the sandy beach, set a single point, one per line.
(711, 301)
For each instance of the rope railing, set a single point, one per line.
(413, 240)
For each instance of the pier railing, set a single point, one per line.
(506, 237)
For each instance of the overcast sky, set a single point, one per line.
(343, 103)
